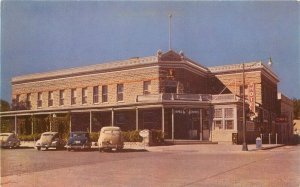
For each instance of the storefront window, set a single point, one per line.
(218, 113)
(228, 112)
(218, 125)
(229, 124)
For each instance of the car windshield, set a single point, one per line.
(79, 135)
(111, 132)
(47, 137)
(4, 136)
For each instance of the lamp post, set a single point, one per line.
(245, 146)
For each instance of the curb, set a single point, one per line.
(267, 148)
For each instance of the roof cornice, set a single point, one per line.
(71, 72)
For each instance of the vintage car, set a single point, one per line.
(49, 140)
(9, 140)
(78, 140)
(110, 138)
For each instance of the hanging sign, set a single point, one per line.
(251, 97)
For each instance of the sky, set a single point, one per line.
(40, 36)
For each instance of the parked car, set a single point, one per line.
(49, 140)
(9, 140)
(110, 138)
(79, 140)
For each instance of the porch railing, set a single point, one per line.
(173, 97)
(186, 97)
(224, 98)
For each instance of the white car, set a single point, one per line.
(9, 140)
(49, 140)
(110, 138)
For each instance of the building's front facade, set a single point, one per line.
(284, 121)
(167, 92)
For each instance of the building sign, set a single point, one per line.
(281, 119)
(250, 126)
(187, 111)
(251, 97)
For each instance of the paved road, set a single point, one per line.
(28, 167)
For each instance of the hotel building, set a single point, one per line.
(167, 91)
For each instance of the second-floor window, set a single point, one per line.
(73, 96)
(120, 91)
(84, 95)
(28, 100)
(17, 98)
(147, 87)
(95, 94)
(50, 98)
(61, 97)
(104, 93)
(39, 99)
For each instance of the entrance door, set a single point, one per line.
(205, 125)
(205, 130)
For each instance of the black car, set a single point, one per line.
(79, 140)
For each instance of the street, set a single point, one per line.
(171, 166)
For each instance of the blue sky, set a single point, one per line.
(39, 36)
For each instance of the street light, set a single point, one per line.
(245, 146)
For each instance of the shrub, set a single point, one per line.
(94, 136)
(157, 136)
(131, 136)
(31, 137)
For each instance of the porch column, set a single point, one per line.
(112, 117)
(32, 131)
(70, 122)
(90, 121)
(163, 120)
(201, 126)
(173, 124)
(16, 124)
(50, 122)
(136, 119)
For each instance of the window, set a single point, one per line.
(147, 87)
(218, 113)
(28, 100)
(39, 99)
(50, 98)
(61, 97)
(104, 93)
(228, 112)
(242, 91)
(120, 90)
(229, 124)
(96, 94)
(18, 98)
(84, 95)
(218, 125)
(73, 96)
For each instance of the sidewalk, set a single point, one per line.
(207, 148)
(211, 148)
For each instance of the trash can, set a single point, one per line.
(258, 142)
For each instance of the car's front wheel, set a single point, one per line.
(38, 148)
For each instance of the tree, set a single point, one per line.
(296, 108)
(4, 106)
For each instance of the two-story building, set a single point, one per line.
(168, 92)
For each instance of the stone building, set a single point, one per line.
(168, 92)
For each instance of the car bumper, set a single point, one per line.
(78, 146)
(108, 145)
